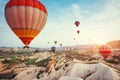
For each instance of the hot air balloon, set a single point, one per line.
(77, 23)
(48, 42)
(53, 49)
(26, 18)
(74, 38)
(78, 31)
(60, 44)
(55, 42)
(105, 51)
(15, 50)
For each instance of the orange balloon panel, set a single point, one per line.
(26, 35)
(26, 18)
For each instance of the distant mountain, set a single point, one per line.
(114, 44)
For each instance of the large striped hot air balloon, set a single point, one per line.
(26, 18)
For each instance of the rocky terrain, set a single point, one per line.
(61, 65)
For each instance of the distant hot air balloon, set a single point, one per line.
(15, 50)
(74, 38)
(60, 44)
(55, 42)
(78, 31)
(53, 49)
(105, 51)
(26, 18)
(48, 42)
(77, 23)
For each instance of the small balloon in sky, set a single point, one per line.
(77, 23)
(55, 42)
(78, 31)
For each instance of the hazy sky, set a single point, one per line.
(100, 22)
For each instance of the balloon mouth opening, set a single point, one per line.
(26, 40)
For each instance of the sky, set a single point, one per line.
(99, 23)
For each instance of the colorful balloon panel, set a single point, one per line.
(26, 18)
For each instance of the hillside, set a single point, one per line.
(114, 44)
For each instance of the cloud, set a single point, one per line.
(76, 10)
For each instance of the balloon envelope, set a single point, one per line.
(78, 31)
(26, 18)
(53, 49)
(60, 44)
(77, 23)
(55, 42)
(48, 42)
(105, 51)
